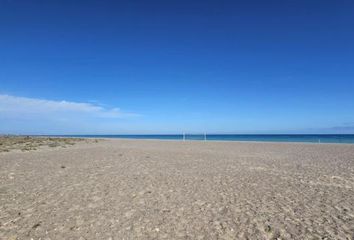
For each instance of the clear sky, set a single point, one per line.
(218, 66)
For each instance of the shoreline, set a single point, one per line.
(190, 140)
(229, 141)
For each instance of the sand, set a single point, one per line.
(147, 189)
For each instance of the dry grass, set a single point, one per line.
(26, 143)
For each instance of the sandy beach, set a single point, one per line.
(147, 189)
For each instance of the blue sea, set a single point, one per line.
(309, 138)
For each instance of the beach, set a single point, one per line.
(155, 189)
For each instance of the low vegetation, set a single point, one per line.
(27, 143)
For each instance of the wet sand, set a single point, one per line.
(147, 189)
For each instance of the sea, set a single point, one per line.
(306, 138)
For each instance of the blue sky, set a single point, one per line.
(100, 67)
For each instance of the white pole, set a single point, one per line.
(204, 136)
(184, 136)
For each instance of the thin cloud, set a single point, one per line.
(14, 106)
(344, 129)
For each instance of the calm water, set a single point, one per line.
(315, 138)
